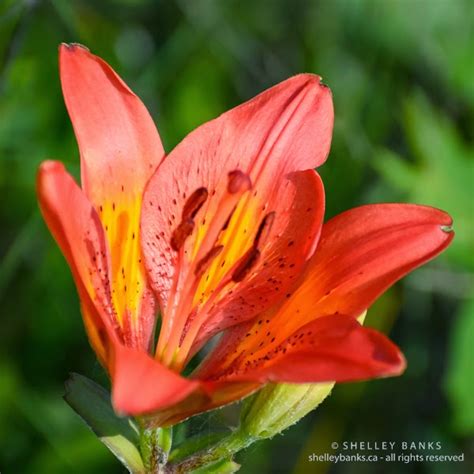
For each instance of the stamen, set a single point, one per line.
(238, 182)
(205, 262)
(252, 255)
(226, 224)
(247, 262)
(181, 233)
(194, 203)
(210, 245)
(190, 209)
(264, 228)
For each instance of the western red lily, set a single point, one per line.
(227, 233)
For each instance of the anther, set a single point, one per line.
(226, 224)
(205, 261)
(181, 233)
(194, 203)
(247, 262)
(238, 182)
(264, 228)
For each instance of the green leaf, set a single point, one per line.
(396, 171)
(92, 403)
(440, 175)
(459, 381)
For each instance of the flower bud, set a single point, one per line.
(279, 405)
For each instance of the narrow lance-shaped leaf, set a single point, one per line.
(92, 403)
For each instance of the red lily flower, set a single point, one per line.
(227, 233)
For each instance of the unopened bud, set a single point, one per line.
(279, 405)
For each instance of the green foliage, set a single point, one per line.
(459, 383)
(92, 403)
(445, 161)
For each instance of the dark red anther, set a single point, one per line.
(264, 228)
(206, 261)
(226, 224)
(194, 203)
(247, 262)
(238, 182)
(181, 233)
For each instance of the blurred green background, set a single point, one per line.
(402, 76)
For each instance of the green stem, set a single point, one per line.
(155, 445)
(225, 449)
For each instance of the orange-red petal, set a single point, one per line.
(120, 149)
(142, 385)
(78, 231)
(119, 144)
(208, 396)
(284, 129)
(331, 348)
(360, 254)
(299, 213)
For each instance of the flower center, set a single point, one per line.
(215, 253)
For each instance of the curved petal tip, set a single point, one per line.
(390, 357)
(48, 166)
(448, 229)
(71, 47)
